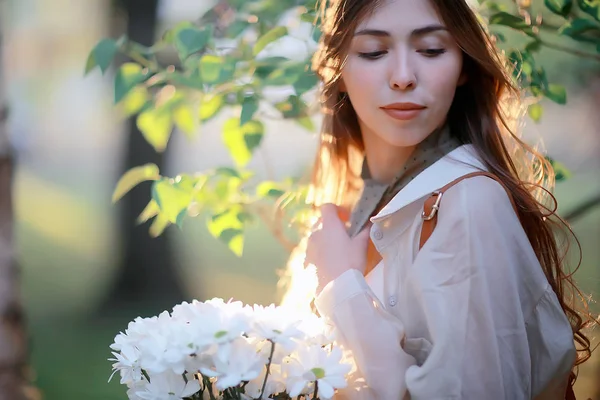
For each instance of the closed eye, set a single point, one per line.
(432, 52)
(373, 55)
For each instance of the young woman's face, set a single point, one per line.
(401, 73)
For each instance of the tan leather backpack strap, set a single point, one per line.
(432, 204)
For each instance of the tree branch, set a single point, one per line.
(582, 209)
(565, 49)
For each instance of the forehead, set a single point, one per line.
(401, 15)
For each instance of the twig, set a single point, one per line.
(275, 229)
(575, 52)
(583, 208)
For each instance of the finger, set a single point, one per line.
(363, 236)
(329, 214)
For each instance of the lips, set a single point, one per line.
(403, 111)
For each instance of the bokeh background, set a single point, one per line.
(87, 269)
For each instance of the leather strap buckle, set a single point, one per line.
(434, 208)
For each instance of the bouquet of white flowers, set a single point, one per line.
(215, 350)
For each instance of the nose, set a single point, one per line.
(402, 74)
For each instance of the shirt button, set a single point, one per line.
(377, 234)
(392, 301)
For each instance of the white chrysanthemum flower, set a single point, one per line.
(235, 363)
(168, 386)
(133, 388)
(314, 363)
(317, 330)
(127, 364)
(214, 321)
(275, 383)
(264, 347)
(164, 346)
(276, 324)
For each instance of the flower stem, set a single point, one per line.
(208, 385)
(264, 385)
(316, 391)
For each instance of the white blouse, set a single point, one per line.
(469, 316)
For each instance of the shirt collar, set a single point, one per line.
(455, 164)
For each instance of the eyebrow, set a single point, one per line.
(415, 33)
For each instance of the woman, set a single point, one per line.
(477, 308)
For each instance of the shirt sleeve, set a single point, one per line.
(479, 283)
(372, 334)
(482, 296)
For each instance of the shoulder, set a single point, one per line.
(478, 196)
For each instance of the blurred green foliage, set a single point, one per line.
(245, 53)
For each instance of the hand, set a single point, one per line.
(331, 250)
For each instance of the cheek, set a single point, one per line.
(444, 79)
(358, 79)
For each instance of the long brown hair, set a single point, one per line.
(485, 113)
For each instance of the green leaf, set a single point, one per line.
(158, 226)
(306, 81)
(170, 35)
(242, 140)
(185, 119)
(533, 46)
(227, 71)
(249, 107)
(556, 93)
(560, 7)
(156, 126)
(194, 82)
(590, 7)
(102, 55)
(578, 27)
(236, 28)
(172, 198)
(210, 105)
(286, 75)
(269, 37)
(269, 189)
(133, 177)
(228, 172)
(561, 172)
(192, 40)
(151, 210)
(306, 122)
(535, 111)
(293, 107)
(512, 21)
(135, 100)
(128, 77)
(210, 68)
(229, 228)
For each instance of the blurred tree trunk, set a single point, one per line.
(147, 275)
(14, 382)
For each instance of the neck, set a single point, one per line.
(385, 161)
